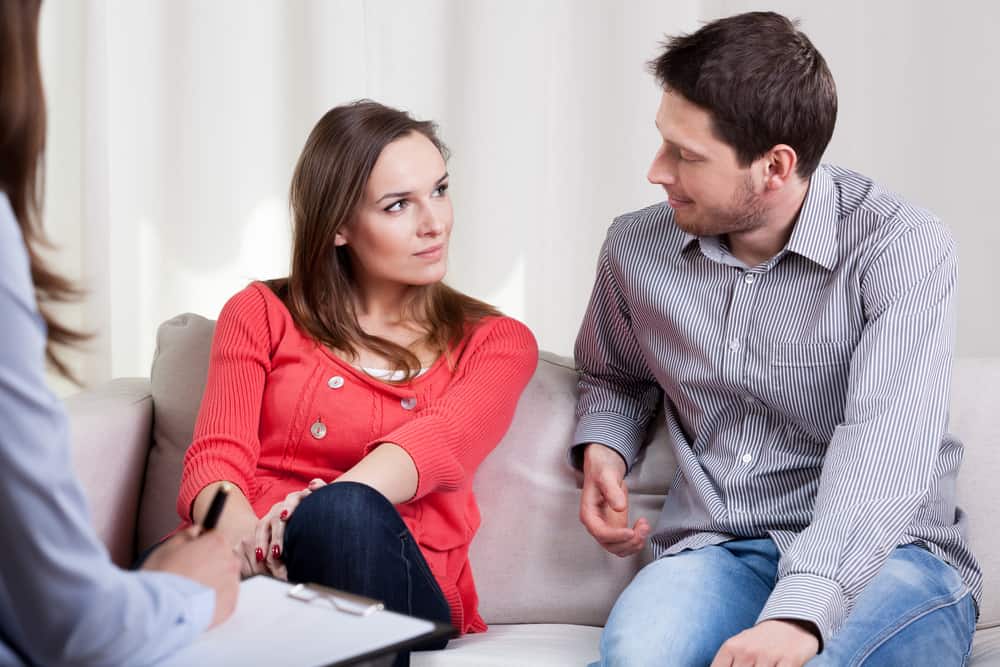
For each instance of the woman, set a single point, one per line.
(351, 402)
(62, 601)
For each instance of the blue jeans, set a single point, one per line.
(350, 537)
(680, 609)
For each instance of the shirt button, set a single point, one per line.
(408, 403)
(318, 430)
(748, 278)
(746, 458)
(734, 345)
(336, 382)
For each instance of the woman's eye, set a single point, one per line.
(440, 190)
(396, 207)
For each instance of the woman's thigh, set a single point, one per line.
(680, 609)
(916, 611)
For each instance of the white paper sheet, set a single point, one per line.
(270, 628)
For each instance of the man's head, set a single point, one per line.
(748, 108)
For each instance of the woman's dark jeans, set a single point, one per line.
(350, 537)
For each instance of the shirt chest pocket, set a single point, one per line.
(808, 382)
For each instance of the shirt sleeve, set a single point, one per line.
(226, 442)
(880, 461)
(62, 600)
(617, 391)
(450, 437)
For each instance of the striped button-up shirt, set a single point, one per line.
(806, 398)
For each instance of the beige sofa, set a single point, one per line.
(545, 586)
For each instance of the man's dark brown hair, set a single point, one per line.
(762, 81)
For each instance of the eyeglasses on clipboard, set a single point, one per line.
(349, 603)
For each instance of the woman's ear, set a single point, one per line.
(339, 239)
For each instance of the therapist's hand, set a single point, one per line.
(604, 503)
(204, 558)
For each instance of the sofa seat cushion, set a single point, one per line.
(552, 645)
(986, 648)
(541, 645)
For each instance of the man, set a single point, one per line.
(796, 321)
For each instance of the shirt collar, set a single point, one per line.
(815, 233)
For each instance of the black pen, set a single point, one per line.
(215, 509)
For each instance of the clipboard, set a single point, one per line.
(305, 625)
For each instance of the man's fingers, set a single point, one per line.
(601, 530)
(613, 491)
(722, 659)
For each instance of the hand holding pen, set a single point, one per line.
(202, 555)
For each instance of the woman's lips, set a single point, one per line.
(432, 253)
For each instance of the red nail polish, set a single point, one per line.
(275, 552)
(284, 514)
(259, 553)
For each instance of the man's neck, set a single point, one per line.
(756, 246)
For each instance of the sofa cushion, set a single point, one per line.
(975, 419)
(177, 379)
(533, 561)
(521, 645)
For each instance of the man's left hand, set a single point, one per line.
(773, 643)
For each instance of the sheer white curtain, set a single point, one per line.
(175, 125)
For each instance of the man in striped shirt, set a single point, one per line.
(796, 323)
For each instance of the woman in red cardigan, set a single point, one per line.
(351, 403)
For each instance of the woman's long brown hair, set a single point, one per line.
(22, 148)
(327, 187)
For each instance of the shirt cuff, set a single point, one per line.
(198, 601)
(620, 433)
(429, 443)
(807, 597)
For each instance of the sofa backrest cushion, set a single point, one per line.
(532, 559)
(975, 419)
(177, 382)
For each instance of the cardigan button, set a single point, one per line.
(318, 430)
(408, 403)
(336, 382)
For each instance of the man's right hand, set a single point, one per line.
(604, 502)
(206, 559)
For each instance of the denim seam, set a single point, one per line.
(918, 612)
(409, 574)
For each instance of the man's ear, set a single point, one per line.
(779, 165)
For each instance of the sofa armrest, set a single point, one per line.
(110, 430)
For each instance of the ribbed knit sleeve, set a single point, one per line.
(226, 442)
(449, 438)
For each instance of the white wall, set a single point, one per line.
(175, 124)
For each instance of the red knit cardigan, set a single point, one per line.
(269, 386)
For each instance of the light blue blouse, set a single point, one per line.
(62, 600)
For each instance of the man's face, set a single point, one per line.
(710, 193)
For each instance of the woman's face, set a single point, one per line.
(400, 231)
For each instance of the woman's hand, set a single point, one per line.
(263, 550)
